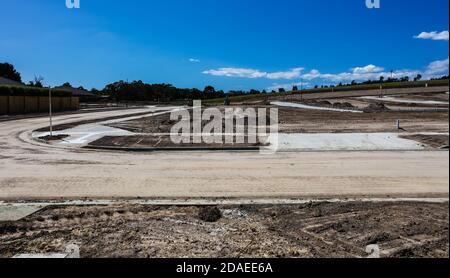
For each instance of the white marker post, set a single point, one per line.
(50, 110)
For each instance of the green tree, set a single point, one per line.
(8, 71)
(38, 82)
(209, 90)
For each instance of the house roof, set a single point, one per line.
(76, 92)
(9, 82)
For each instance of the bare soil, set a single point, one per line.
(433, 141)
(433, 97)
(164, 141)
(319, 230)
(293, 120)
(163, 123)
(54, 137)
(315, 121)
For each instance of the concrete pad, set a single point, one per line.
(309, 107)
(343, 142)
(41, 256)
(72, 252)
(402, 100)
(15, 212)
(84, 134)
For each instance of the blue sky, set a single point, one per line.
(229, 44)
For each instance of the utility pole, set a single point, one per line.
(50, 110)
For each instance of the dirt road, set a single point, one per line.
(36, 171)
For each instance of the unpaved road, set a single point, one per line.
(35, 171)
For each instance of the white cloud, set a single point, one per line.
(236, 72)
(193, 60)
(437, 69)
(291, 74)
(436, 36)
(252, 73)
(313, 74)
(369, 72)
(367, 69)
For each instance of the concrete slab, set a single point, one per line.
(402, 100)
(15, 212)
(72, 252)
(309, 107)
(41, 256)
(84, 134)
(343, 142)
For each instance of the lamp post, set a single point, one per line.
(50, 110)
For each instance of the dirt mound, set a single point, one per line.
(325, 103)
(376, 108)
(344, 105)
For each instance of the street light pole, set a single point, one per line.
(50, 110)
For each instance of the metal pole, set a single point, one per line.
(50, 110)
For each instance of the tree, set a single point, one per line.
(418, 77)
(281, 90)
(8, 71)
(381, 79)
(209, 90)
(67, 84)
(295, 88)
(37, 82)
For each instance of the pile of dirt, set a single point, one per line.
(376, 108)
(343, 105)
(432, 141)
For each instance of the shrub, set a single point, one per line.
(31, 91)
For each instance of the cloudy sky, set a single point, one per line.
(229, 44)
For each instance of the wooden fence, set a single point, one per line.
(14, 105)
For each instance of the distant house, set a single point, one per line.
(83, 95)
(9, 82)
